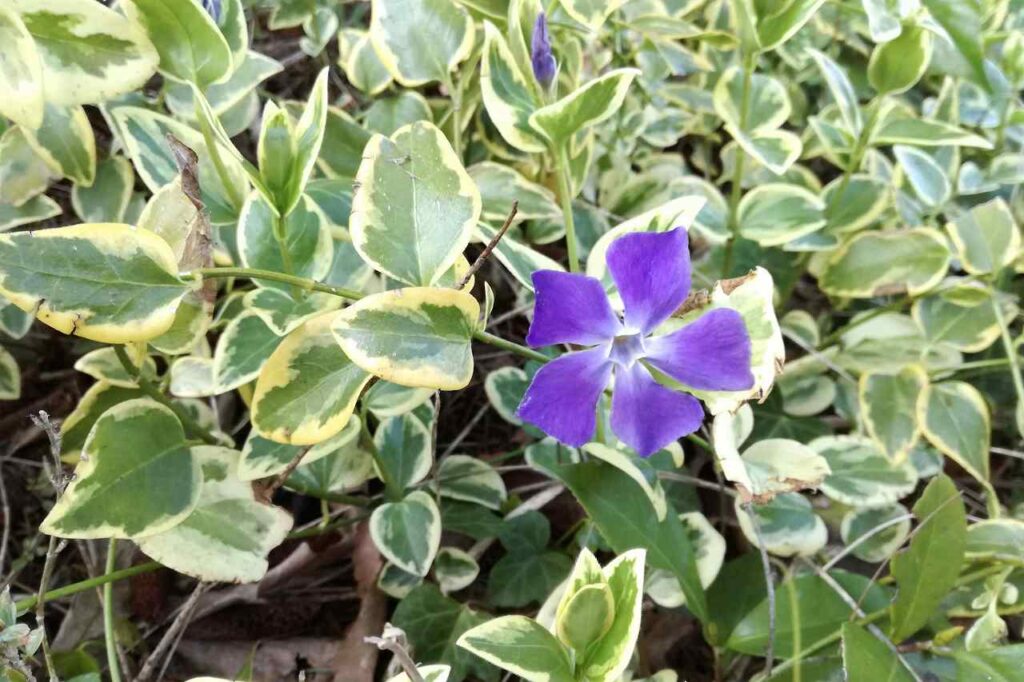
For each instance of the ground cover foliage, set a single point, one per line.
(580, 340)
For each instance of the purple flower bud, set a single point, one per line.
(213, 8)
(544, 65)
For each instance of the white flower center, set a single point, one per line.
(626, 349)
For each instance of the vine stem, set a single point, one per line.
(1011, 354)
(860, 147)
(108, 614)
(741, 156)
(352, 295)
(218, 162)
(565, 199)
(191, 426)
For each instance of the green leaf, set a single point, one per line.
(404, 451)
(385, 399)
(961, 316)
(518, 579)
(987, 238)
(342, 149)
(420, 41)
(962, 20)
(663, 588)
(501, 185)
(89, 53)
(808, 609)
(1001, 664)
(955, 418)
(589, 105)
(868, 659)
(921, 132)
(75, 428)
(861, 202)
(307, 236)
(586, 616)
(282, 313)
(229, 533)
(737, 590)
(841, 89)
(776, 150)
(591, 13)
(307, 389)
(875, 263)
(10, 376)
(609, 657)
(778, 26)
(859, 534)
(287, 154)
(413, 337)
(136, 477)
(929, 567)
(387, 115)
(996, 540)
(110, 283)
(520, 260)
(408, 532)
(246, 343)
(23, 172)
(465, 478)
(191, 46)
(521, 646)
(505, 388)
(262, 457)
(415, 206)
(455, 569)
(888, 408)
(768, 467)
(925, 175)
(897, 65)
(433, 623)
(787, 524)
(508, 95)
(775, 214)
(621, 511)
(429, 673)
(21, 74)
(768, 105)
(102, 364)
(360, 62)
(65, 141)
(344, 467)
(862, 475)
(105, 200)
(34, 210)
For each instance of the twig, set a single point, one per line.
(478, 263)
(465, 431)
(169, 641)
(5, 509)
(867, 536)
(392, 640)
(769, 651)
(283, 476)
(56, 545)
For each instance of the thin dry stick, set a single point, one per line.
(478, 263)
(6, 511)
(769, 652)
(283, 476)
(389, 641)
(167, 643)
(55, 545)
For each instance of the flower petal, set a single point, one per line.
(711, 353)
(562, 398)
(646, 416)
(570, 308)
(652, 273)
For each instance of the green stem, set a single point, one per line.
(81, 586)
(860, 147)
(565, 199)
(108, 614)
(192, 428)
(735, 191)
(866, 317)
(352, 295)
(281, 237)
(1011, 353)
(218, 162)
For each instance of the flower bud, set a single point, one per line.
(213, 8)
(544, 66)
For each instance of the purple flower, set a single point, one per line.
(213, 8)
(544, 66)
(652, 273)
